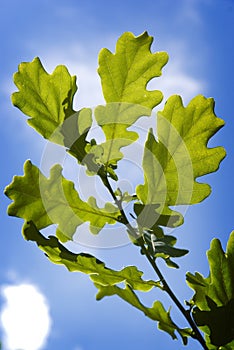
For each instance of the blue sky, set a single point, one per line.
(198, 35)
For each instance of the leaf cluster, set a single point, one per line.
(174, 158)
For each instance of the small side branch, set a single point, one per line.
(168, 290)
(186, 313)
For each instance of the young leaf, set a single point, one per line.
(219, 285)
(105, 279)
(45, 98)
(156, 312)
(214, 295)
(163, 247)
(125, 74)
(115, 118)
(124, 77)
(178, 156)
(86, 263)
(55, 201)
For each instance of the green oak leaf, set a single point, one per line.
(219, 285)
(124, 77)
(86, 263)
(214, 295)
(55, 201)
(163, 247)
(45, 98)
(115, 119)
(75, 130)
(126, 73)
(105, 279)
(156, 312)
(173, 162)
(149, 216)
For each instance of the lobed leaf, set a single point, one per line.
(105, 279)
(163, 247)
(219, 285)
(156, 312)
(115, 118)
(45, 98)
(55, 201)
(173, 162)
(126, 73)
(214, 295)
(86, 263)
(124, 77)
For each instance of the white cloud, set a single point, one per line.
(25, 318)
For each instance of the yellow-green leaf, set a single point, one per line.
(54, 200)
(174, 160)
(105, 279)
(45, 98)
(86, 263)
(115, 119)
(124, 77)
(126, 73)
(157, 312)
(219, 285)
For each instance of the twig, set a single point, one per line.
(186, 313)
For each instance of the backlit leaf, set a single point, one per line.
(55, 201)
(115, 118)
(214, 295)
(219, 285)
(47, 99)
(105, 279)
(126, 73)
(163, 247)
(124, 77)
(156, 312)
(86, 263)
(173, 162)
